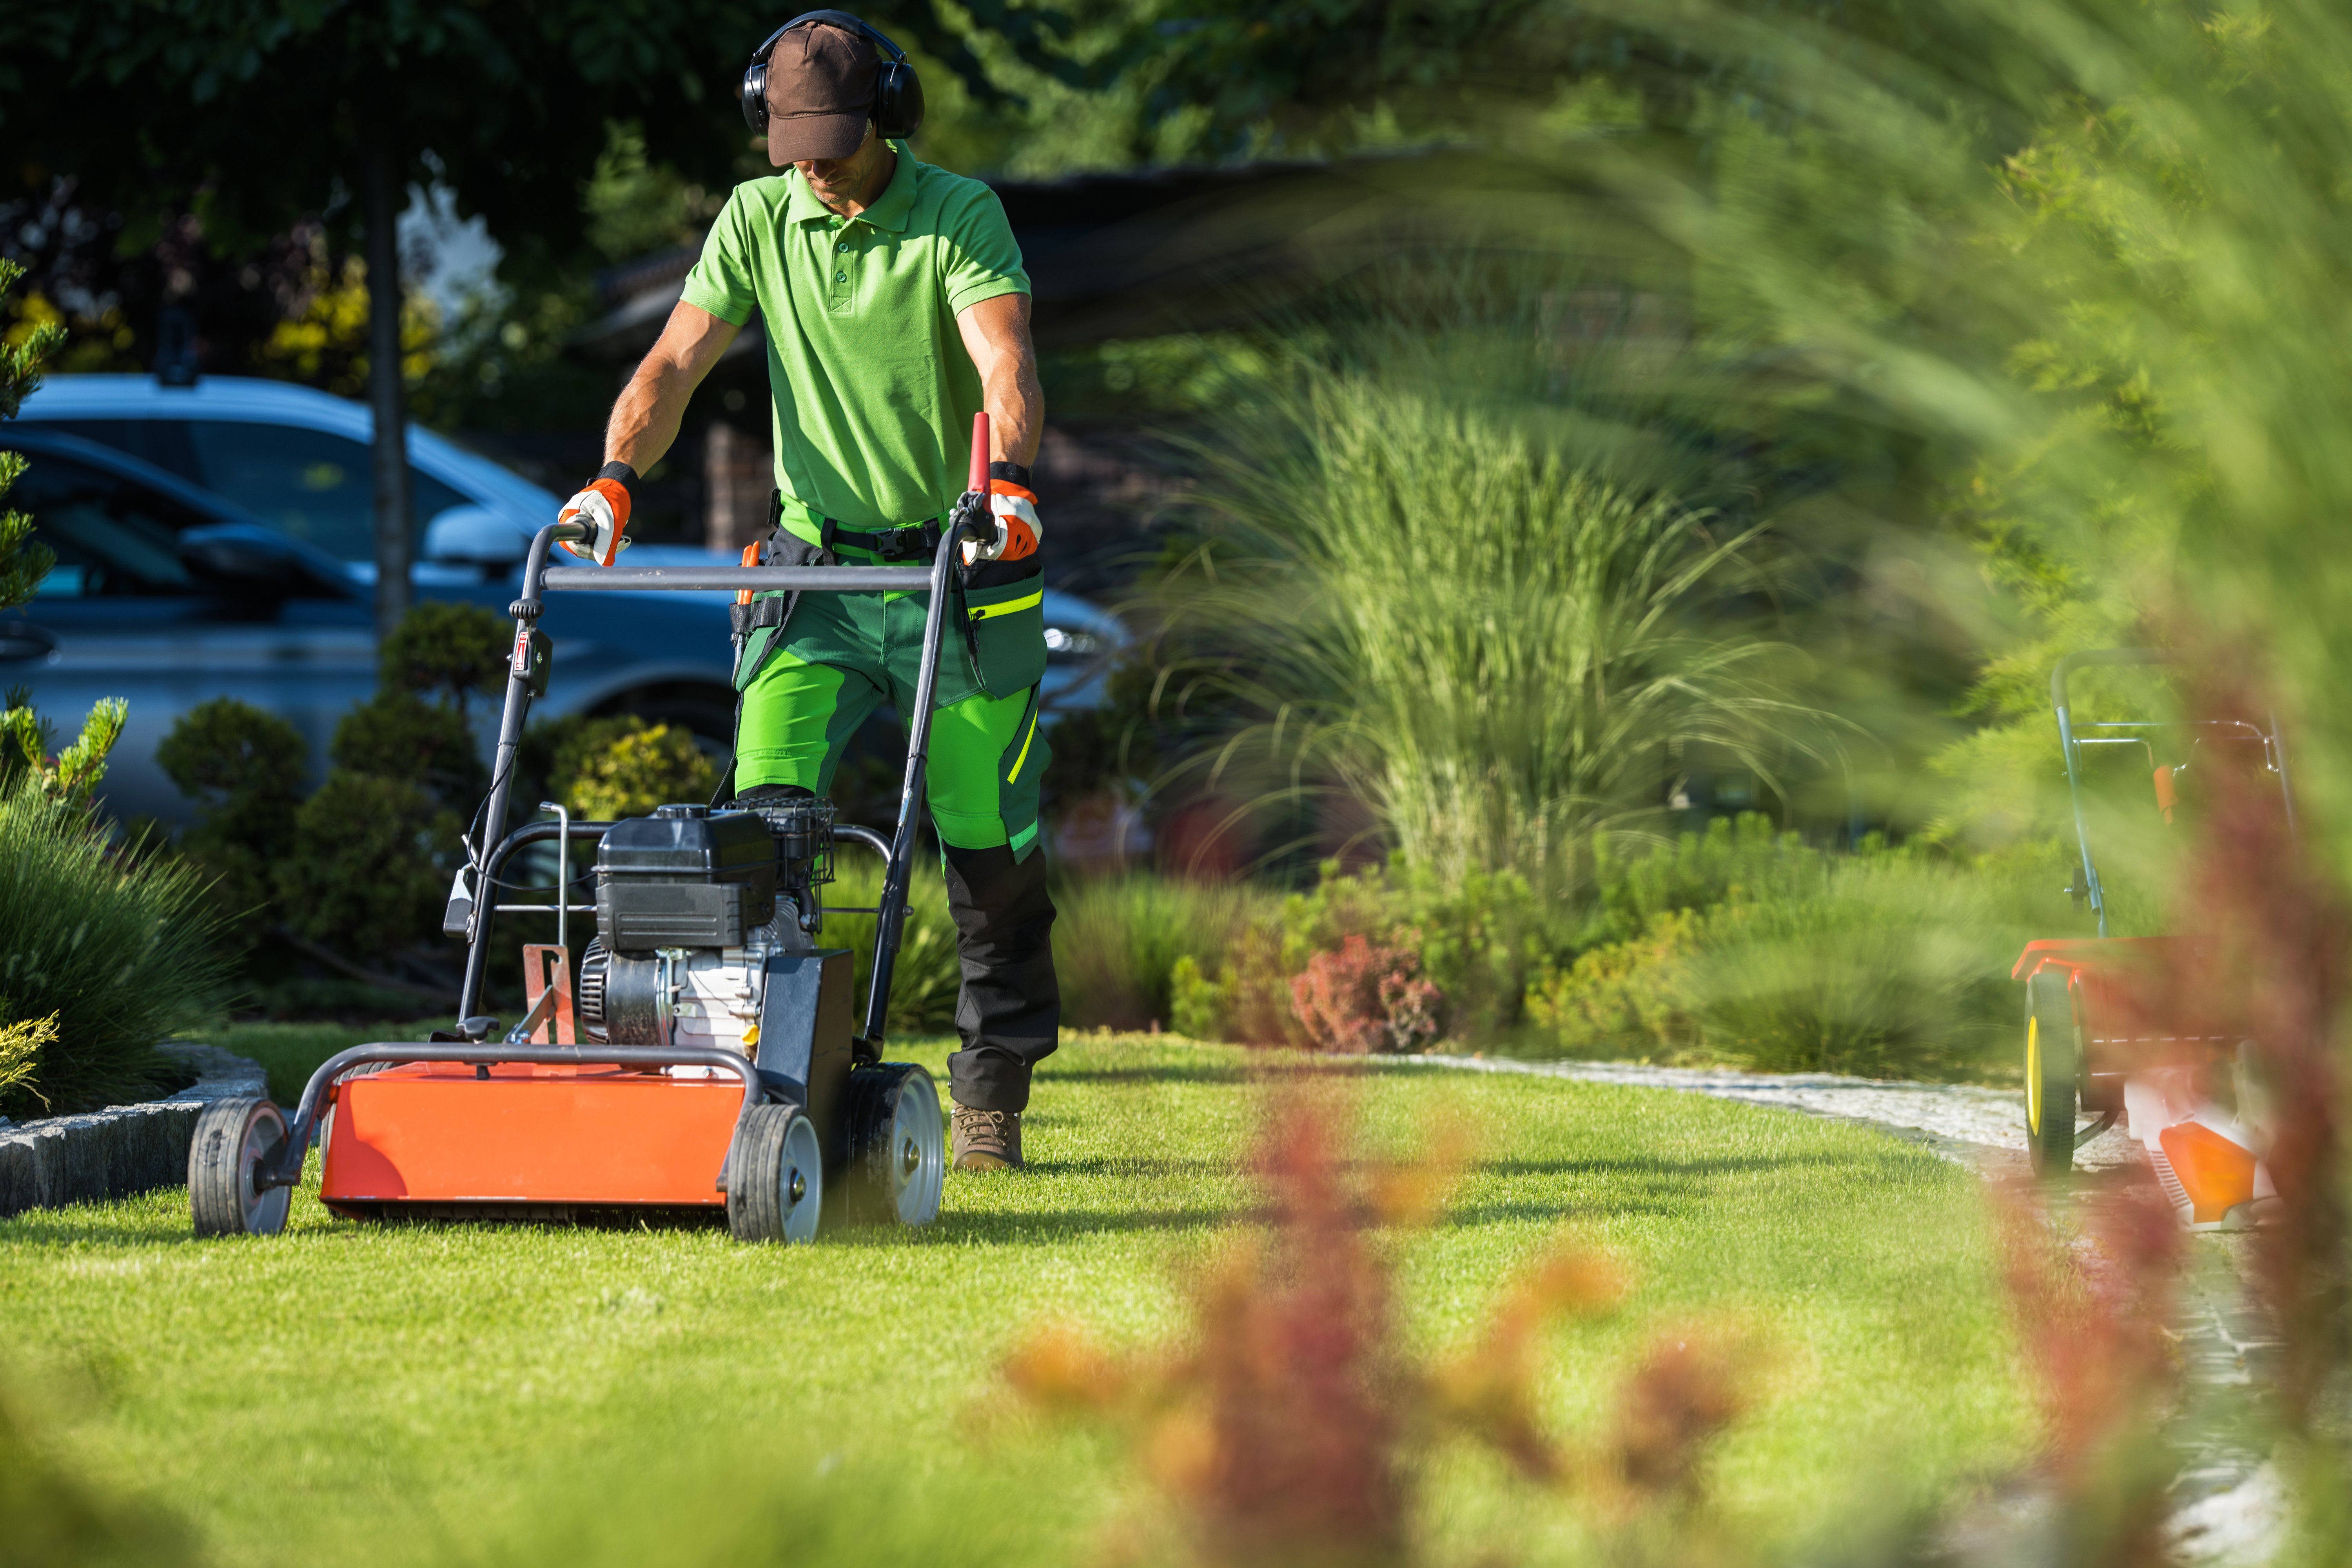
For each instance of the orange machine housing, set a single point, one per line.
(527, 1137)
(2136, 1006)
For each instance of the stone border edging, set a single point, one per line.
(124, 1149)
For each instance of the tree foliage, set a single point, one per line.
(24, 561)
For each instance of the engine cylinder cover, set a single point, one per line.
(681, 996)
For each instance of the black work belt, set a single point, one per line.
(916, 542)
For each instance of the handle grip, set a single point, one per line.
(978, 485)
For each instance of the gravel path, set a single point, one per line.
(1983, 1129)
(2229, 1508)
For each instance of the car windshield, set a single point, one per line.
(318, 487)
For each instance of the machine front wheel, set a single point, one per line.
(2053, 1058)
(775, 1176)
(233, 1139)
(898, 1146)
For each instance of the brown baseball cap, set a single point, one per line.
(820, 93)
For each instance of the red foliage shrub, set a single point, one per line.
(2093, 1321)
(1366, 998)
(1687, 1391)
(1288, 1425)
(1299, 1367)
(2280, 931)
(2269, 930)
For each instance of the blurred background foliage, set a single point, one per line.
(1713, 409)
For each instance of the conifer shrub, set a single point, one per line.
(244, 769)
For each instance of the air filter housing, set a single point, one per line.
(685, 876)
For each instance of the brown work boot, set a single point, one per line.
(987, 1140)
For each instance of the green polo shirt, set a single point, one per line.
(874, 391)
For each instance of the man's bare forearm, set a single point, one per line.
(996, 334)
(645, 419)
(1016, 408)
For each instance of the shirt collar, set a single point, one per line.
(890, 211)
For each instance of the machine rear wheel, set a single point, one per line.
(2053, 1058)
(897, 1147)
(775, 1176)
(232, 1138)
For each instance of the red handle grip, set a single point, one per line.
(978, 485)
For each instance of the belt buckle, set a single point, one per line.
(892, 545)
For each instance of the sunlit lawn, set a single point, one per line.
(352, 1392)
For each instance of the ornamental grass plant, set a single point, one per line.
(116, 950)
(1119, 942)
(1439, 608)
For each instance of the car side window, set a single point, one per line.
(317, 487)
(162, 442)
(112, 537)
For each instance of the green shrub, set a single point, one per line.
(1882, 962)
(363, 866)
(241, 765)
(606, 769)
(1627, 998)
(1199, 1006)
(244, 768)
(1478, 937)
(1636, 880)
(116, 949)
(447, 651)
(1897, 966)
(369, 867)
(399, 735)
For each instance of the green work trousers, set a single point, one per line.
(843, 656)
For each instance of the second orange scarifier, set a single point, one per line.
(2118, 1028)
(707, 1056)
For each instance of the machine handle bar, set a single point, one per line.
(731, 579)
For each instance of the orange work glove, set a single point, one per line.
(602, 509)
(1015, 507)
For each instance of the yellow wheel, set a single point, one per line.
(2053, 1055)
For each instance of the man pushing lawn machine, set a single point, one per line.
(895, 308)
(718, 1067)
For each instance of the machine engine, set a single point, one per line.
(707, 925)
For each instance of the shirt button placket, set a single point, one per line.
(840, 298)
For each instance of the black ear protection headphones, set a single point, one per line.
(897, 96)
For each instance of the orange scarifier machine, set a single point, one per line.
(707, 1058)
(2111, 1032)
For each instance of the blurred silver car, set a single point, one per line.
(217, 539)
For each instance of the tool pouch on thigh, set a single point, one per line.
(1004, 614)
(759, 625)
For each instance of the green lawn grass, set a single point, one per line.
(349, 1393)
(289, 1053)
